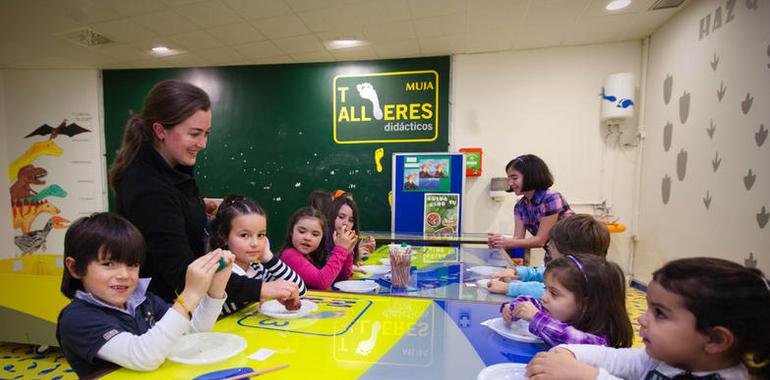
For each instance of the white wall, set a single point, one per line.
(684, 225)
(545, 102)
(32, 98)
(6, 234)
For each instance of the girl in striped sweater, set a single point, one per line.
(241, 227)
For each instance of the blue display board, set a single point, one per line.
(428, 180)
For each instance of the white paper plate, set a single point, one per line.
(483, 284)
(485, 270)
(518, 330)
(385, 261)
(357, 286)
(504, 371)
(274, 309)
(207, 348)
(376, 269)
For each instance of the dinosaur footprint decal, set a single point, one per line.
(746, 103)
(752, 4)
(668, 84)
(748, 180)
(681, 164)
(714, 62)
(763, 217)
(716, 162)
(707, 200)
(667, 132)
(665, 189)
(721, 91)
(760, 135)
(711, 129)
(684, 107)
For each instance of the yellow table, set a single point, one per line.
(354, 336)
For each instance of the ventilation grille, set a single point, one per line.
(86, 37)
(665, 4)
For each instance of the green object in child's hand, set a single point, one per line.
(222, 264)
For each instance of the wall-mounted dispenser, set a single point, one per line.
(498, 188)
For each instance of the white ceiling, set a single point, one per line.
(242, 32)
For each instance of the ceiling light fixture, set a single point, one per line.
(345, 43)
(617, 4)
(160, 49)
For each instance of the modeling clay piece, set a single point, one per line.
(222, 264)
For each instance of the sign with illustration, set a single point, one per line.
(386, 107)
(441, 214)
(427, 173)
(29, 202)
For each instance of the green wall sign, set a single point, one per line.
(386, 107)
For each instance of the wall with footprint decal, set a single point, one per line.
(546, 102)
(706, 165)
(53, 156)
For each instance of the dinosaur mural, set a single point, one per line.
(27, 176)
(24, 213)
(35, 240)
(36, 150)
(26, 202)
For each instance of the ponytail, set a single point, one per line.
(134, 136)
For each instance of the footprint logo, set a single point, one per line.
(714, 62)
(721, 91)
(367, 91)
(378, 153)
(681, 164)
(667, 86)
(715, 162)
(665, 189)
(684, 107)
(748, 180)
(746, 103)
(763, 217)
(668, 130)
(760, 135)
(711, 129)
(707, 200)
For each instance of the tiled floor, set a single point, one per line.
(19, 361)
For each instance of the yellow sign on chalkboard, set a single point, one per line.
(386, 107)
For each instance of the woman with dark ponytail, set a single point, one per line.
(152, 177)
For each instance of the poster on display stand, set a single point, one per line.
(427, 193)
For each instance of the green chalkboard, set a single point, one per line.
(273, 130)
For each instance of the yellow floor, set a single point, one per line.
(20, 361)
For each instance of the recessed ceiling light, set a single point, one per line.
(345, 43)
(617, 4)
(160, 49)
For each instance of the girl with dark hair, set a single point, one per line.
(706, 318)
(539, 207)
(112, 317)
(241, 226)
(584, 302)
(343, 215)
(320, 200)
(152, 177)
(305, 251)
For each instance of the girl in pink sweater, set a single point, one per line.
(305, 251)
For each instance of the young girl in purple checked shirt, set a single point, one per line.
(539, 207)
(584, 303)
